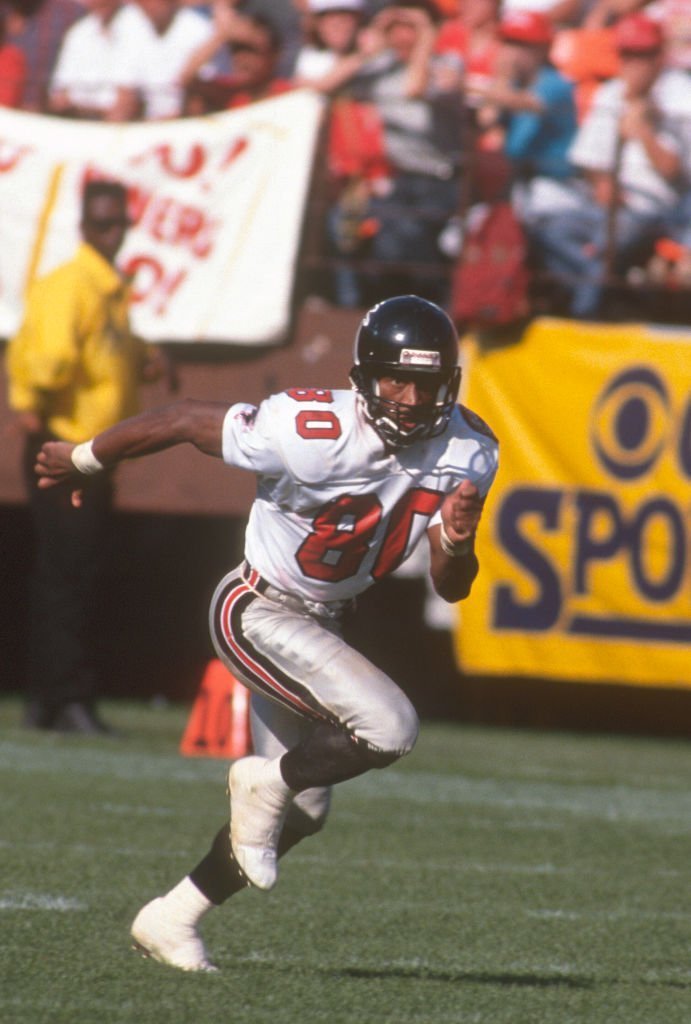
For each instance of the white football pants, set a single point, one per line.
(301, 671)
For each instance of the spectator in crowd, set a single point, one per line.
(86, 82)
(254, 44)
(674, 17)
(587, 55)
(37, 27)
(73, 369)
(166, 35)
(418, 96)
(221, 63)
(635, 151)
(330, 36)
(534, 105)
(12, 70)
(472, 34)
(288, 17)
(333, 52)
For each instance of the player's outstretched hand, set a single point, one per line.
(461, 512)
(54, 466)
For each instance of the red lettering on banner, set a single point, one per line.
(168, 286)
(236, 148)
(152, 283)
(155, 217)
(179, 165)
(138, 200)
(205, 238)
(173, 223)
(196, 231)
(192, 163)
(11, 154)
(146, 273)
(190, 160)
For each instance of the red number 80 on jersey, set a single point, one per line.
(315, 423)
(344, 528)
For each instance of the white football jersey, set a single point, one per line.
(335, 510)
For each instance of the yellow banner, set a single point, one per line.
(585, 548)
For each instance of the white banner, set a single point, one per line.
(217, 204)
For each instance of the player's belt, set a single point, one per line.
(322, 609)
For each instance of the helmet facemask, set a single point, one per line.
(407, 338)
(397, 423)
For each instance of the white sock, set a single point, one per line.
(187, 902)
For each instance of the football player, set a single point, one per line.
(348, 481)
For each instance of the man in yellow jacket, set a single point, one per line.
(74, 369)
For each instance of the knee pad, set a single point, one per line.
(393, 735)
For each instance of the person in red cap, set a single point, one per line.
(534, 105)
(634, 151)
(637, 33)
(531, 27)
(674, 17)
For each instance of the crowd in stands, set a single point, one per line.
(575, 115)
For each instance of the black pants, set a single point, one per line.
(70, 547)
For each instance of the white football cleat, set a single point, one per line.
(259, 802)
(157, 933)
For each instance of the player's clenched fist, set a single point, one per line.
(54, 463)
(461, 512)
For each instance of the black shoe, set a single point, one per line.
(81, 718)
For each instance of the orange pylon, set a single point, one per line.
(219, 723)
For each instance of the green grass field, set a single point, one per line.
(494, 876)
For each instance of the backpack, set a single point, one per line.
(489, 284)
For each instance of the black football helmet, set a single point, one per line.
(403, 336)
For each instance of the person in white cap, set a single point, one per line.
(330, 34)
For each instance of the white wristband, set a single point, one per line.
(457, 550)
(84, 460)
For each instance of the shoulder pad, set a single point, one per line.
(477, 423)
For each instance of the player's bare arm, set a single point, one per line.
(454, 564)
(185, 422)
